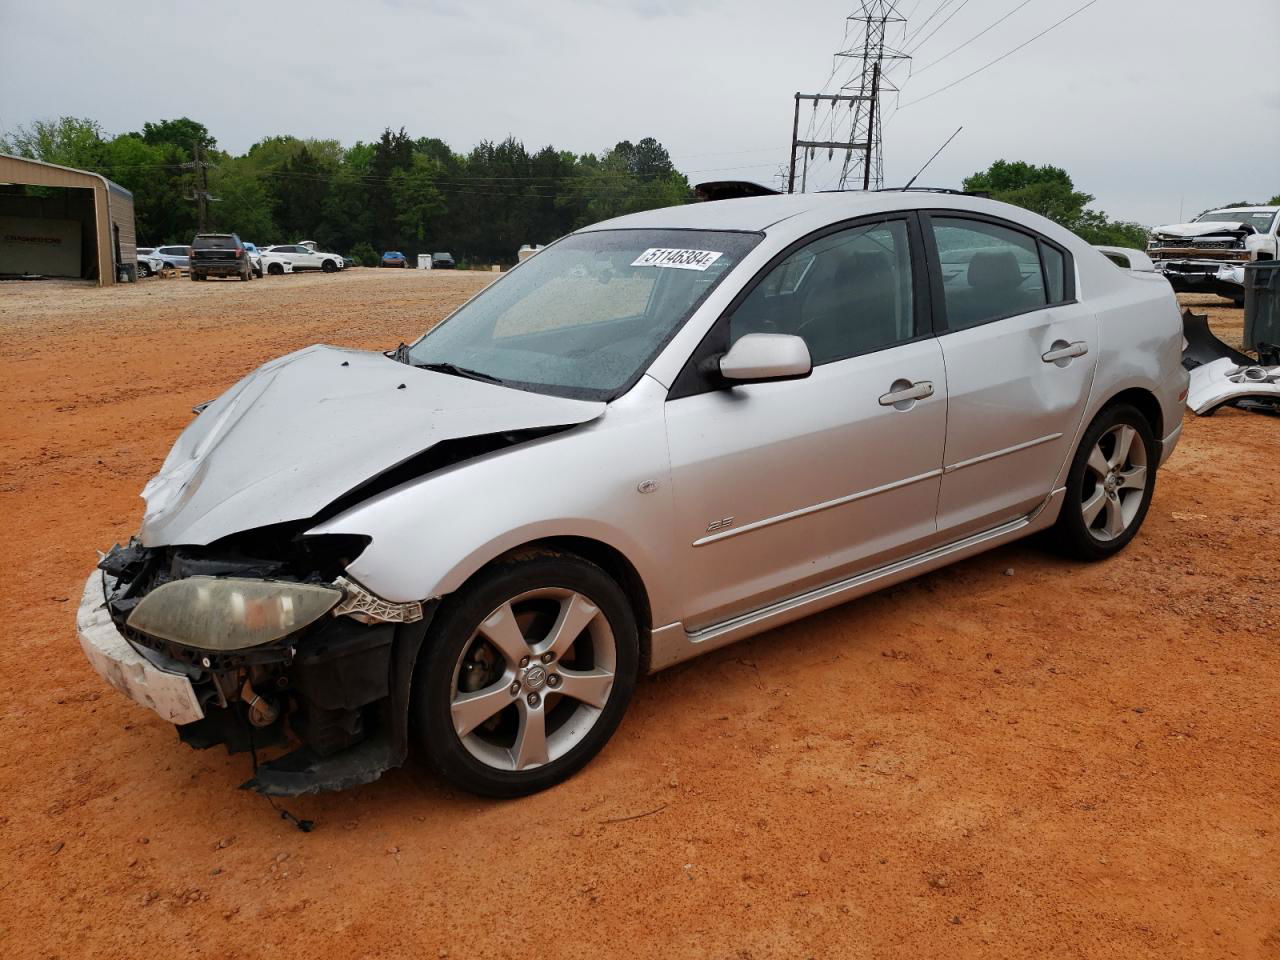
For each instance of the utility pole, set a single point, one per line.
(831, 146)
(200, 186)
(864, 153)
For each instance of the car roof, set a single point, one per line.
(756, 214)
(746, 213)
(1263, 209)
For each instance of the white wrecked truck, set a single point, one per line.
(1208, 255)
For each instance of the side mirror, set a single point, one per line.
(762, 357)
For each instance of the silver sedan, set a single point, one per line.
(660, 435)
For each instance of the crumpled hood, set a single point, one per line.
(300, 431)
(1202, 229)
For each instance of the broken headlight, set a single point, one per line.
(226, 613)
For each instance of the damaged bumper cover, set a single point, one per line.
(252, 663)
(1223, 376)
(1204, 276)
(169, 694)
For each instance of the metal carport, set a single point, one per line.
(84, 230)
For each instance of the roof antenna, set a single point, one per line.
(931, 159)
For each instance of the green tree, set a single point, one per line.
(183, 132)
(68, 141)
(416, 199)
(1050, 192)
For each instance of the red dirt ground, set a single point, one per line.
(1014, 757)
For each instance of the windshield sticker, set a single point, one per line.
(679, 259)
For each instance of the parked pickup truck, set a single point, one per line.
(219, 255)
(1208, 255)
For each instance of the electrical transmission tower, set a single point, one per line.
(860, 95)
(863, 160)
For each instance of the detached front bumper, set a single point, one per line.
(171, 695)
(1204, 276)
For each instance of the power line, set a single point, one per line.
(938, 27)
(1002, 56)
(971, 39)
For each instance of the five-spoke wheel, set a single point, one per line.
(528, 671)
(1109, 485)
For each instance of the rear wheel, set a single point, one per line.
(528, 672)
(194, 275)
(1109, 486)
(329, 266)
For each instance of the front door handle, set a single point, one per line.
(1063, 353)
(903, 394)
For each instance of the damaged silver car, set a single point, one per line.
(662, 434)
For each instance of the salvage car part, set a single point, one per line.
(1222, 382)
(660, 435)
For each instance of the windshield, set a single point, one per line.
(586, 316)
(1259, 220)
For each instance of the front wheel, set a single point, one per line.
(1109, 486)
(528, 671)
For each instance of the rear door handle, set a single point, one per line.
(1061, 352)
(903, 394)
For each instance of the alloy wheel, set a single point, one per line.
(1115, 482)
(533, 679)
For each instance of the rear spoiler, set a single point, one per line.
(1127, 258)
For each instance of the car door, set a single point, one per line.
(1020, 353)
(782, 487)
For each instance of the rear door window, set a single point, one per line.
(988, 271)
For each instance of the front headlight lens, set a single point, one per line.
(217, 613)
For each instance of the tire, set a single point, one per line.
(194, 275)
(516, 693)
(1109, 485)
(275, 269)
(144, 271)
(245, 275)
(329, 267)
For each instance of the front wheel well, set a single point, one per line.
(1146, 404)
(609, 559)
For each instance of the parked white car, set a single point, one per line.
(660, 435)
(149, 262)
(1208, 255)
(304, 257)
(275, 263)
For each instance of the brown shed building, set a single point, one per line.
(84, 228)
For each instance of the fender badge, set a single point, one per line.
(647, 486)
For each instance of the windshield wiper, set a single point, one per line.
(454, 370)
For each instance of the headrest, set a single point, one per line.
(994, 271)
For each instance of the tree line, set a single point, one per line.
(397, 193)
(419, 196)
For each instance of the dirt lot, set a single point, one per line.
(1014, 757)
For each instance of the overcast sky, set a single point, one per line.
(1153, 106)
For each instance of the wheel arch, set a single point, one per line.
(1146, 404)
(610, 559)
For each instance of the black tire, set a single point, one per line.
(1097, 537)
(194, 275)
(144, 271)
(455, 635)
(275, 269)
(329, 267)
